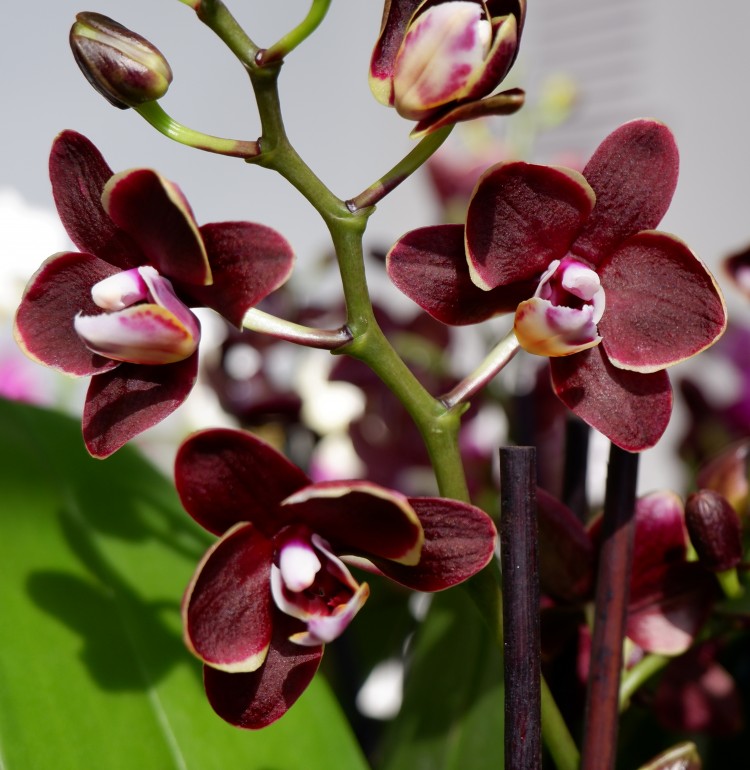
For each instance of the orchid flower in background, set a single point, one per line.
(610, 300)
(436, 61)
(118, 310)
(275, 587)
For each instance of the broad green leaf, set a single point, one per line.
(453, 712)
(94, 557)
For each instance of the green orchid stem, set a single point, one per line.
(729, 581)
(324, 339)
(214, 14)
(499, 357)
(155, 115)
(298, 35)
(438, 424)
(634, 678)
(401, 171)
(555, 734)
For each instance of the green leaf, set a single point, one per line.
(453, 712)
(94, 557)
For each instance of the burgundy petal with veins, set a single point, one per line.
(59, 290)
(248, 262)
(258, 698)
(633, 174)
(630, 408)
(124, 402)
(358, 517)
(668, 326)
(521, 218)
(459, 540)
(227, 476)
(156, 215)
(227, 607)
(78, 173)
(428, 265)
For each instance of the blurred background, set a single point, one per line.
(587, 66)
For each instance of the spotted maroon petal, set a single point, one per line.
(358, 517)
(78, 173)
(226, 476)
(227, 606)
(663, 306)
(631, 409)
(156, 215)
(256, 699)
(59, 290)
(459, 541)
(429, 266)
(504, 103)
(633, 174)
(522, 217)
(248, 262)
(124, 402)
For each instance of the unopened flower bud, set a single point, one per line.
(714, 529)
(121, 65)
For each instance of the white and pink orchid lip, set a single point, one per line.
(313, 585)
(144, 321)
(562, 316)
(442, 55)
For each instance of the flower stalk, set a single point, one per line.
(298, 35)
(154, 114)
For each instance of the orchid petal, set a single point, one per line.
(248, 262)
(226, 476)
(322, 629)
(258, 698)
(396, 17)
(590, 386)
(633, 174)
(120, 290)
(439, 58)
(522, 217)
(227, 606)
(498, 60)
(124, 402)
(504, 103)
(545, 329)
(646, 327)
(143, 334)
(667, 619)
(459, 542)
(44, 321)
(359, 516)
(298, 565)
(429, 266)
(79, 173)
(156, 215)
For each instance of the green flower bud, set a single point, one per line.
(122, 66)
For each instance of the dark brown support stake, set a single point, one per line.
(610, 613)
(519, 559)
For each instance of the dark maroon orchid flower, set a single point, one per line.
(670, 596)
(118, 311)
(274, 588)
(435, 60)
(592, 285)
